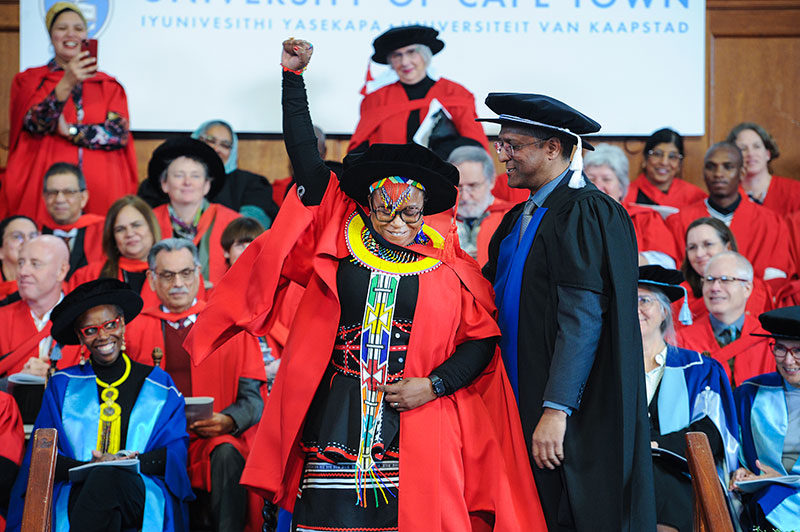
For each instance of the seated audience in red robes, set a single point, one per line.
(725, 332)
(761, 234)
(130, 230)
(660, 182)
(14, 232)
(607, 168)
(25, 339)
(705, 237)
(479, 212)
(12, 446)
(394, 112)
(232, 376)
(247, 193)
(188, 172)
(759, 149)
(67, 110)
(65, 196)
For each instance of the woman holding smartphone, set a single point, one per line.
(67, 111)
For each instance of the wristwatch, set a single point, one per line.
(438, 385)
(73, 130)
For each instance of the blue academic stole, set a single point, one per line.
(508, 288)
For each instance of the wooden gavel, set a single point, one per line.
(157, 355)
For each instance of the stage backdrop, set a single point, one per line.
(633, 65)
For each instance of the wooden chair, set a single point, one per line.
(710, 505)
(36, 515)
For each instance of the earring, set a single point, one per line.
(122, 347)
(82, 353)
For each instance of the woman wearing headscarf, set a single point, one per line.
(685, 392)
(67, 111)
(110, 409)
(394, 112)
(390, 380)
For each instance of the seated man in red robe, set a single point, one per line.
(725, 333)
(762, 236)
(25, 342)
(233, 376)
(14, 232)
(65, 196)
(479, 212)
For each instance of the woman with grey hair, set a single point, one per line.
(607, 168)
(685, 392)
(393, 113)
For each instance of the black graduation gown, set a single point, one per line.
(586, 240)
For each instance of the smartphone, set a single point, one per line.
(90, 45)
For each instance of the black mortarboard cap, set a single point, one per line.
(782, 323)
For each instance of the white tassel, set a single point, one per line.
(576, 180)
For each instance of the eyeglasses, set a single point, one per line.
(397, 56)
(93, 330)
(169, 277)
(501, 146)
(68, 193)
(646, 302)
(409, 215)
(471, 187)
(780, 351)
(673, 156)
(20, 238)
(724, 279)
(224, 144)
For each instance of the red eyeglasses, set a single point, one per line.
(93, 330)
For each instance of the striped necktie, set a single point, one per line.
(527, 214)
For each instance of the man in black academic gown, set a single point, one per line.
(564, 267)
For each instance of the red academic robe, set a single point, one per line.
(752, 354)
(92, 250)
(680, 194)
(497, 209)
(793, 222)
(652, 233)
(217, 377)
(12, 436)
(783, 195)
(7, 288)
(215, 219)
(760, 301)
(761, 235)
(19, 340)
(110, 174)
(384, 113)
(460, 454)
(279, 189)
(92, 271)
(502, 191)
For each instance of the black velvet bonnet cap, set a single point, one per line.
(185, 146)
(395, 38)
(539, 110)
(660, 278)
(103, 291)
(782, 323)
(411, 161)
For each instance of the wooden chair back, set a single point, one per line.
(710, 505)
(36, 515)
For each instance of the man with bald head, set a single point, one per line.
(761, 235)
(725, 332)
(25, 342)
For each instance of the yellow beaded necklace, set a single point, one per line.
(109, 427)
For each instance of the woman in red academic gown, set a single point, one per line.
(394, 334)
(660, 182)
(67, 111)
(394, 112)
(780, 194)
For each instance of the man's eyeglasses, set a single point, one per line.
(409, 215)
(69, 193)
(168, 276)
(91, 331)
(724, 279)
(224, 144)
(673, 156)
(780, 351)
(501, 147)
